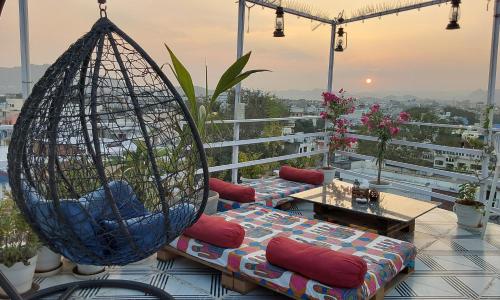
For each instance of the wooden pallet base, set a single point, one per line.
(391, 284)
(229, 280)
(234, 283)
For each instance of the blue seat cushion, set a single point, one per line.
(148, 232)
(82, 225)
(123, 195)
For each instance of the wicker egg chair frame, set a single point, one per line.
(112, 201)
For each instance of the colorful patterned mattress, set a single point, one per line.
(269, 192)
(386, 257)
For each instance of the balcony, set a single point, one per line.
(452, 262)
(252, 142)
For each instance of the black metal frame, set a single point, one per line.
(57, 152)
(68, 289)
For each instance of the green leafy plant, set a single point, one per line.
(336, 108)
(18, 243)
(304, 162)
(385, 128)
(487, 117)
(204, 111)
(136, 164)
(257, 171)
(467, 195)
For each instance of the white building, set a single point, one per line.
(451, 160)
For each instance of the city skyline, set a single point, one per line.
(392, 52)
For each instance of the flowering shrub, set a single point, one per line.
(385, 127)
(336, 107)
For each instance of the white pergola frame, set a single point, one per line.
(333, 23)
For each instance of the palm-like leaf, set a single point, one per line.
(184, 79)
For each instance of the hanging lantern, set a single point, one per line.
(341, 40)
(279, 29)
(454, 15)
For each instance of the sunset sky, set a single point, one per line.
(409, 52)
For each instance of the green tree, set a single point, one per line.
(471, 116)
(305, 126)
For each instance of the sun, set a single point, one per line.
(368, 81)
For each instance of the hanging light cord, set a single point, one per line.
(248, 17)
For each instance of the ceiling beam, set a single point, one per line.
(268, 4)
(395, 11)
(2, 2)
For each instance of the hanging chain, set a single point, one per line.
(102, 8)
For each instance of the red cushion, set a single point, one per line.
(217, 231)
(300, 175)
(233, 192)
(326, 266)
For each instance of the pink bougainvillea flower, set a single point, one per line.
(328, 97)
(394, 130)
(375, 108)
(404, 116)
(365, 119)
(323, 115)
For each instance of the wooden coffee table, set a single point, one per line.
(388, 216)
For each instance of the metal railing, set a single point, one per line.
(320, 136)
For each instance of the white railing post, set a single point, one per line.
(329, 86)
(491, 103)
(237, 91)
(25, 48)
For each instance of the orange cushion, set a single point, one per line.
(324, 265)
(300, 175)
(233, 192)
(217, 231)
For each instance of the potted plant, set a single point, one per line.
(203, 109)
(336, 107)
(385, 128)
(19, 245)
(48, 262)
(469, 211)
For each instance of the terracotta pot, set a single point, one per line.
(47, 260)
(20, 275)
(212, 201)
(468, 216)
(329, 175)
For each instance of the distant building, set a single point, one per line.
(10, 107)
(451, 160)
(296, 111)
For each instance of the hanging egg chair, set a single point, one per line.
(105, 161)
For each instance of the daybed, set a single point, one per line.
(387, 259)
(270, 192)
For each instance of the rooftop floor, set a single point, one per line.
(452, 263)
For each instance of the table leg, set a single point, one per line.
(410, 228)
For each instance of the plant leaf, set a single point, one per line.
(232, 72)
(184, 79)
(239, 79)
